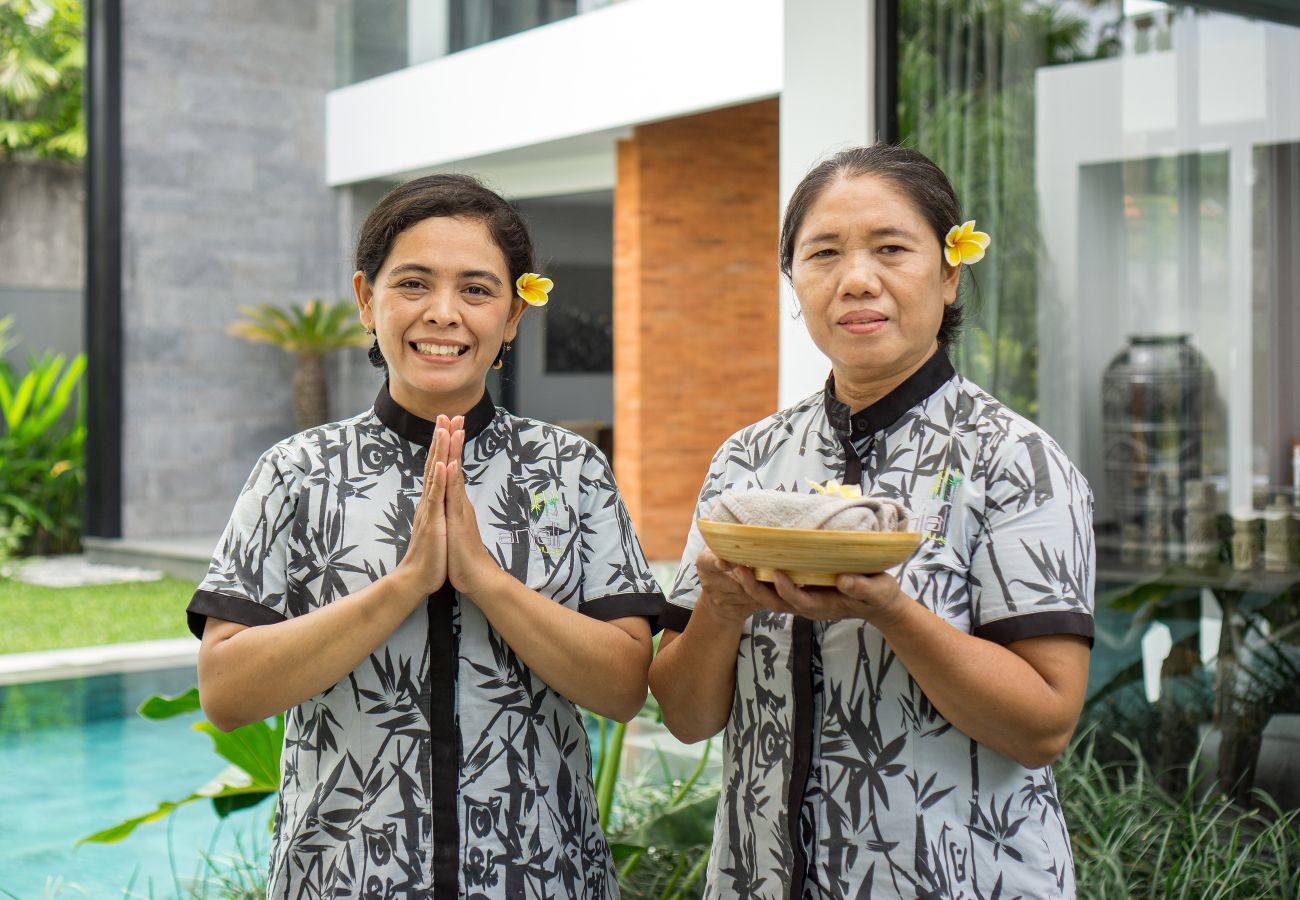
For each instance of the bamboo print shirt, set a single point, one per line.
(840, 779)
(441, 766)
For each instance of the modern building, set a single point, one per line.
(1137, 162)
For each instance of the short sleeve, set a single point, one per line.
(616, 578)
(247, 578)
(686, 587)
(1032, 567)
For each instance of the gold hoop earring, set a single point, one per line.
(501, 356)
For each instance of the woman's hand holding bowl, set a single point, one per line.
(725, 594)
(877, 599)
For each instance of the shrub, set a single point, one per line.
(42, 454)
(1133, 838)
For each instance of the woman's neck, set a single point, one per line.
(858, 389)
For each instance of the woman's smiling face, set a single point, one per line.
(871, 280)
(441, 305)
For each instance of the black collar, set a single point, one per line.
(414, 428)
(933, 374)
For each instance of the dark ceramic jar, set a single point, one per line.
(1154, 395)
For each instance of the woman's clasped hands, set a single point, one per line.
(735, 594)
(446, 545)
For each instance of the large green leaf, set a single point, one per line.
(232, 782)
(681, 827)
(254, 748)
(157, 707)
(253, 752)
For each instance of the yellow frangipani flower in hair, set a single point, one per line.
(965, 245)
(533, 288)
(833, 488)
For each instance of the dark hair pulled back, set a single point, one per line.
(911, 171)
(441, 195)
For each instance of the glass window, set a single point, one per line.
(376, 37)
(1138, 165)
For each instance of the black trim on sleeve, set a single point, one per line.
(648, 605)
(1039, 624)
(228, 607)
(444, 744)
(674, 617)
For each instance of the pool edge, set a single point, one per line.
(76, 662)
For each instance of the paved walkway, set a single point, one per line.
(75, 571)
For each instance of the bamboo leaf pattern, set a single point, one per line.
(330, 511)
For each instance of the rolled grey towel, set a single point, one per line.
(782, 509)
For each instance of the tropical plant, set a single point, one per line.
(1254, 675)
(42, 454)
(252, 774)
(1134, 838)
(659, 827)
(309, 332)
(42, 68)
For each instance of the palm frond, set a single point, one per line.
(313, 328)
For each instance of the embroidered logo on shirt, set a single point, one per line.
(548, 523)
(935, 516)
(946, 484)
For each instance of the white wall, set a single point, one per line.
(634, 62)
(1231, 90)
(826, 105)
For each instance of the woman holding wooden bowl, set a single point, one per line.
(890, 736)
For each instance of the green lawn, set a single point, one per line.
(40, 618)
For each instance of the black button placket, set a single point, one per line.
(932, 375)
(801, 642)
(440, 699)
(805, 730)
(444, 767)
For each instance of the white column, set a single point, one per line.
(826, 105)
(427, 24)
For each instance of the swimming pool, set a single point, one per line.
(75, 758)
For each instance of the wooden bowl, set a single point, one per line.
(807, 555)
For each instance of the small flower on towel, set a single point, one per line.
(833, 488)
(965, 245)
(533, 288)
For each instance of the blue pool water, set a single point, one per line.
(75, 758)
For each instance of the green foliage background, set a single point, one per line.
(966, 99)
(42, 72)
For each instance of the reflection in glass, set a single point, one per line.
(1138, 165)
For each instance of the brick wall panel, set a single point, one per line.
(695, 305)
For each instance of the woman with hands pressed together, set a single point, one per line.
(891, 736)
(429, 590)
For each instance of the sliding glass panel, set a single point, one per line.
(1138, 165)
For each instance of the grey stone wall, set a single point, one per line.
(224, 203)
(42, 254)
